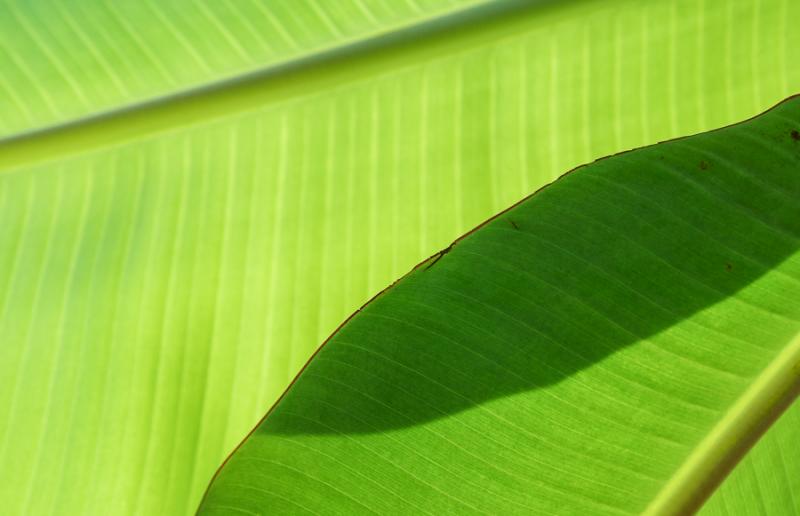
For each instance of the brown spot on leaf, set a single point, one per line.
(704, 165)
(728, 267)
(795, 135)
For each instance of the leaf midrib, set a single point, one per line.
(753, 413)
(454, 31)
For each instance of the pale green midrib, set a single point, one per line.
(742, 425)
(394, 49)
(244, 71)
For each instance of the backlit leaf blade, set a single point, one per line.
(610, 345)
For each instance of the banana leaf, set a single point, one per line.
(193, 195)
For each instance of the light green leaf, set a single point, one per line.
(193, 195)
(611, 345)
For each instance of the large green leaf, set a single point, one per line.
(194, 194)
(611, 345)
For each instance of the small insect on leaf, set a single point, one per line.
(439, 256)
